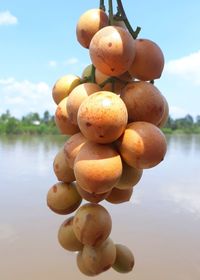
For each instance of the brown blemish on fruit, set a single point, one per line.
(106, 267)
(55, 188)
(56, 166)
(110, 44)
(88, 124)
(98, 238)
(88, 217)
(112, 69)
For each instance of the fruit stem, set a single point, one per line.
(126, 21)
(102, 5)
(93, 74)
(111, 17)
(109, 80)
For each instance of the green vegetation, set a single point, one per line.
(33, 123)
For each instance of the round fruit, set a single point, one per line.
(89, 23)
(112, 50)
(149, 60)
(124, 261)
(165, 114)
(77, 96)
(62, 169)
(87, 72)
(144, 102)
(82, 267)
(91, 197)
(130, 177)
(119, 196)
(143, 145)
(62, 120)
(92, 224)
(64, 86)
(99, 258)
(63, 198)
(72, 147)
(102, 117)
(97, 168)
(67, 238)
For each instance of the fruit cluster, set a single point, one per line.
(113, 115)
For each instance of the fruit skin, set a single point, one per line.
(67, 238)
(88, 24)
(130, 177)
(63, 198)
(97, 167)
(102, 117)
(149, 60)
(72, 147)
(91, 197)
(87, 72)
(99, 258)
(112, 50)
(64, 86)
(92, 224)
(62, 120)
(165, 115)
(143, 145)
(124, 261)
(117, 196)
(82, 267)
(62, 169)
(76, 98)
(144, 102)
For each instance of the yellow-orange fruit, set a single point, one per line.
(62, 120)
(149, 60)
(88, 24)
(64, 86)
(124, 261)
(130, 177)
(99, 258)
(143, 145)
(87, 72)
(97, 167)
(116, 87)
(77, 96)
(119, 23)
(82, 267)
(144, 102)
(91, 197)
(67, 238)
(112, 50)
(165, 114)
(92, 224)
(119, 196)
(62, 169)
(63, 198)
(72, 147)
(102, 117)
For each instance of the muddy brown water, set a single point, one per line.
(161, 224)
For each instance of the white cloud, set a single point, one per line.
(23, 97)
(6, 18)
(187, 68)
(53, 63)
(71, 61)
(177, 112)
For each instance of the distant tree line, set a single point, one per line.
(33, 123)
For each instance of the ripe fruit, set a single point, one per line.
(149, 60)
(142, 145)
(91, 197)
(87, 72)
(112, 50)
(63, 198)
(119, 196)
(124, 261)
(64, 86)
(62, 169)
(165, 114)
(62, 120)
(67, 238)
(97, 168)
(144, 102)
(92, 224)
(82, 267)
(99, 258)
(130, 177)
(102, 117)
(72, 147)
(89, 23)
(76, 98)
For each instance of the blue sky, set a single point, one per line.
(38, 45)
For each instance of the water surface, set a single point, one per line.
(161, 225)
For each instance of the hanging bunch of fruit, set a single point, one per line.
(112, 115)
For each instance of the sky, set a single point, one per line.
(38, 45)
